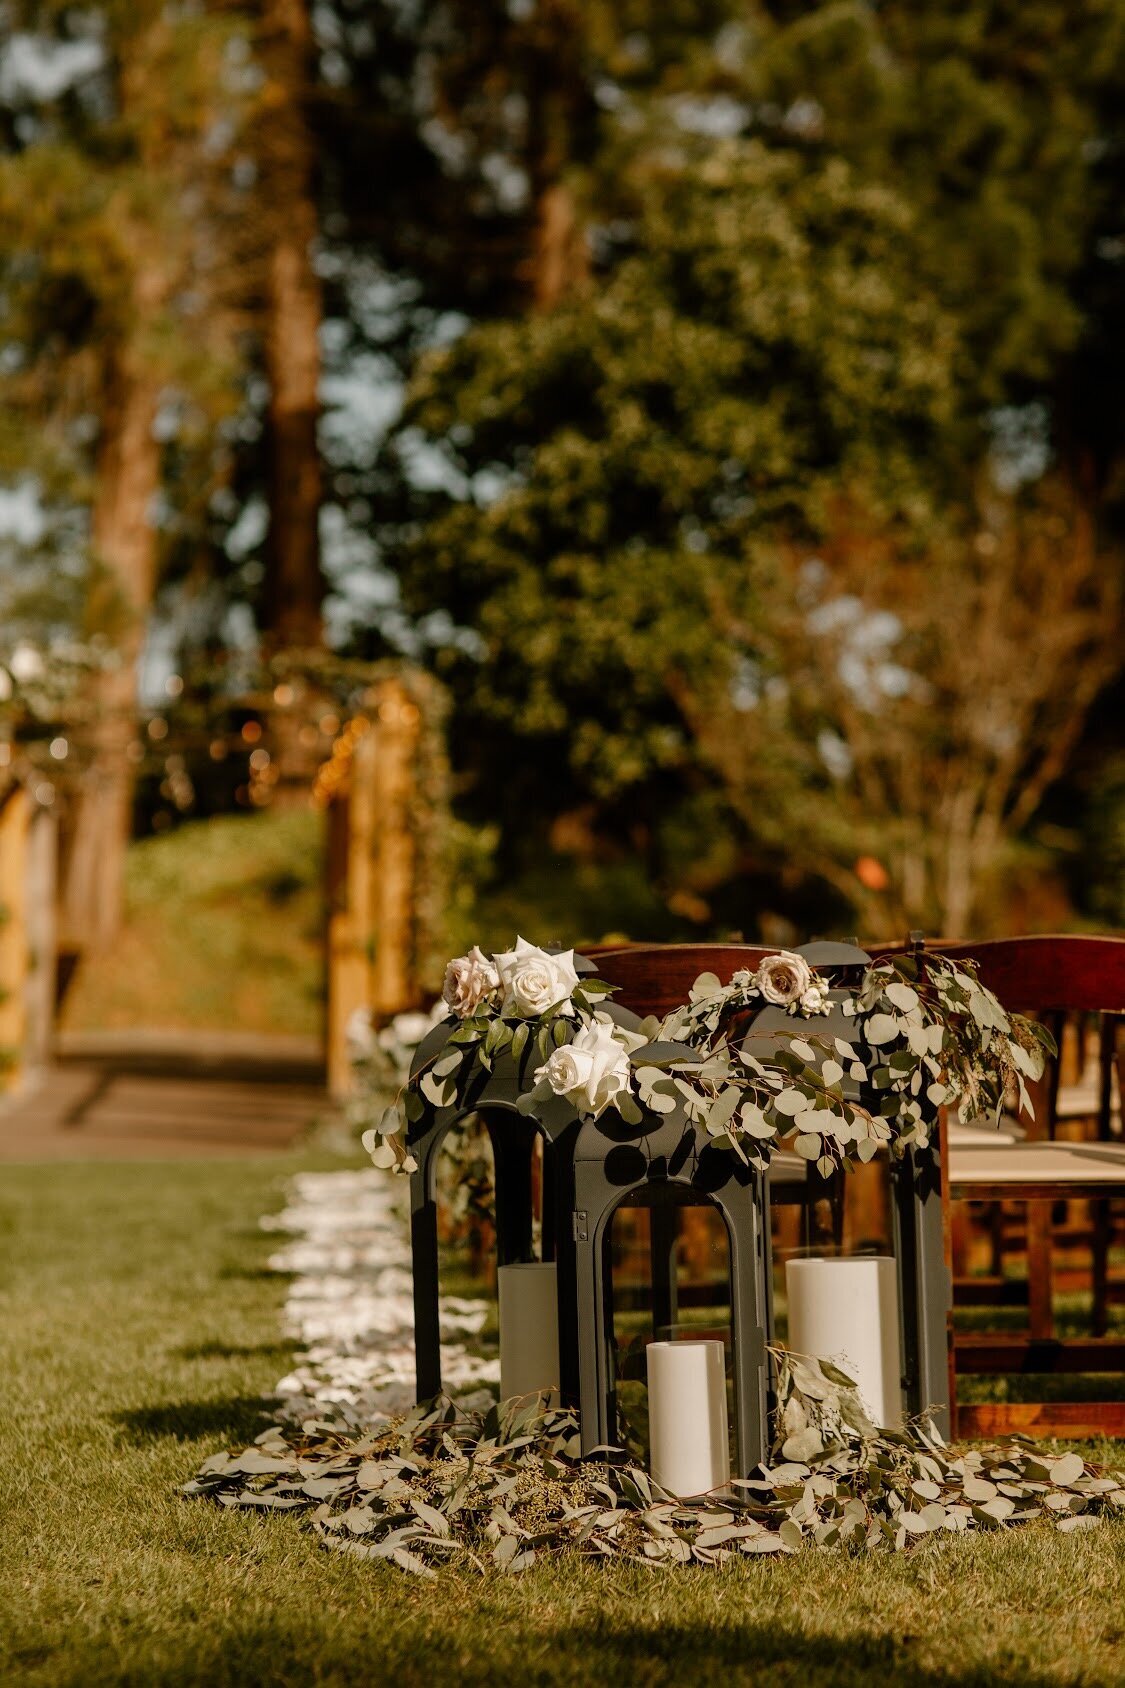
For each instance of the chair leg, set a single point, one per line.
(1041, 1320)
(1103, 1228)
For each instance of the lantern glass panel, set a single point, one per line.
(670, 1281)
(849, 1216)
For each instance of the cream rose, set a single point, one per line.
(534, 981)
(469, 981)
(784, 978)
(591, 1072)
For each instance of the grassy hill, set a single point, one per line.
(224, 919)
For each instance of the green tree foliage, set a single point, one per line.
(749, 356)
(816, 390)
(118, 256)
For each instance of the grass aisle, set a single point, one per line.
(139, 1326)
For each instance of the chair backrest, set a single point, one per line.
(655, 978)
(1046, 974)
(1053, 978)
(1063, 981)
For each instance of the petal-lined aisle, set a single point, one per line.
(349, 1302)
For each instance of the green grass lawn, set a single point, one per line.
(138, 1327)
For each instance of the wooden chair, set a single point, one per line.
(1053, 979)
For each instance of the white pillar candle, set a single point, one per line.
(687, 1416)
(529, 1329)
(847, 1311)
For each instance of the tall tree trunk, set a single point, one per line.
(294, 309)
(561, 259)
(128, 477)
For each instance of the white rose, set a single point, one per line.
(469, 981)
(591, 1072)
(815, 1000)
(784, 978)
(534, 981)
(25, 663)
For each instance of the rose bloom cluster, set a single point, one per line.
(523, 983)
(593, 1069)
(787, 981)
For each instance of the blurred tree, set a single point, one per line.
(846, 337)
(284, 147)
(118, 324)
(901, 718)
(612, 463)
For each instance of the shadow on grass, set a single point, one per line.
(253, 1274)
(238, 1418)
(281, 1349)
(417, 1651)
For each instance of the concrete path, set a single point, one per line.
(166, 1096)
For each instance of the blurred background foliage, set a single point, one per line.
(721, 399)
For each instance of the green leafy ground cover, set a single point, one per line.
(138, 1326)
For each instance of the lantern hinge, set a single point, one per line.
(581, 1228)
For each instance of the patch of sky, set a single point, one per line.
(429, 467)
(361, 400)
(864, 639)
(36, 68)
(718, 116)
(450, 149)
(746, 684)
(511, 186)
(805, 117)
(248, 530)
(22, 517)
(1019, 444)
(834, 753)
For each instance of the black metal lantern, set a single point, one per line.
(593, 1168)
(492, 1097)
(923, 1279)
(590, 1168)
(665, 1163)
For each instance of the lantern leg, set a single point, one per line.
(749, 1321)
(923, 1284)
(424, 1254)
(662, 1264)
(595, 1383)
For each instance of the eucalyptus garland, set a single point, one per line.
(922, 1033)
(504, 1488)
